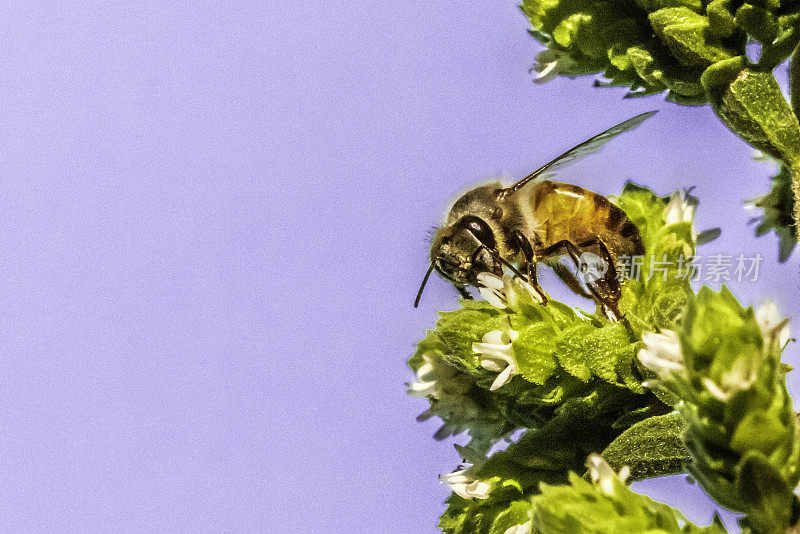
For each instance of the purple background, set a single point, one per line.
(214, 222)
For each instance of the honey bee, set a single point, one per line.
(493, 227)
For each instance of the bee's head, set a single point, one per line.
(461, 251)
(468, 244)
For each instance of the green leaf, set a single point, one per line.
(644, 208)
(431, 344)
(686, 34)
(770, 501)
(778, 212)
(760, 431)
(717, 329)
(651, 448)
(607, 508)
(487, 516)
(762, 25)
(752, 105)
(586, 351)
(654, 5)
(533, 351)
(721, 17)
(518, 513)
(573, 359)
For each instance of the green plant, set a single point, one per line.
(696, 51)
(687, 382)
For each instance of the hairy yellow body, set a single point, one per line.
(565, 212)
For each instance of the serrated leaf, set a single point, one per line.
(651, 448)
(654, 5)
(637, 415)
(555, 391)
(720, 15)
(518, 513)
(533, 351)
(460, 329)
(430, 344)
(572, 358)
(585, 351)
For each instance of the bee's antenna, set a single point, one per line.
(422, 286)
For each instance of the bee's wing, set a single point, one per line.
(590, 146)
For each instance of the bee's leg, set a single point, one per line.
(464, 293)
(612, 269)
(605, 291)
(569, 279)
(530, 265)
(610, 303)
(539, 295)
(610, 283)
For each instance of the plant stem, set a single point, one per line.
(794, 81)
(794, 97)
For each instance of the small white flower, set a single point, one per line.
(438, 379)
(446, 387)
(422, 389)
(501, 292)
(662, 353)
(524, 528)
(520, 284)
(679, 209)
(773, 327)
(761, 156)
(603, 476)
(494, 289)
(743, 372)
(497, 354)
(742, 375)
(550, 63)
(426, 379)
(464, 484)
(624, 473)
(716, 391)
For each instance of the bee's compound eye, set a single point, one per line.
(480, 229)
